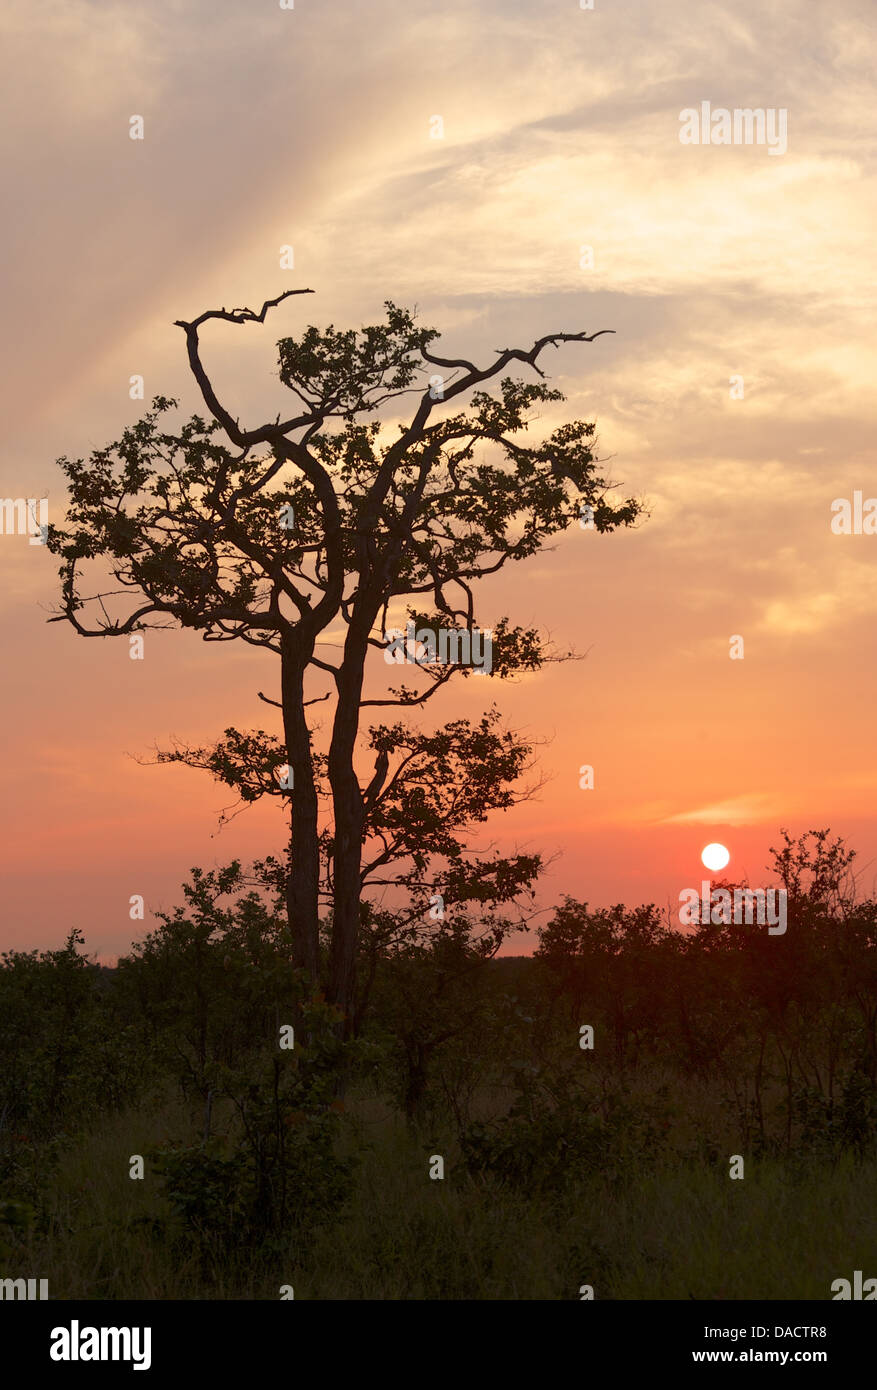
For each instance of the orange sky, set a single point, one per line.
(561, 129)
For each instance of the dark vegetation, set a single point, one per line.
(261, 1160)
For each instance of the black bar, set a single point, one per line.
(420, 1341)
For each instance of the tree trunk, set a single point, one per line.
(303, 878)
(347, 799)
(349, 822)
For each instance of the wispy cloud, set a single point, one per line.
(740, 810)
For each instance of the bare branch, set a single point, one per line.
(243, 438)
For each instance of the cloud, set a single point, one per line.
(740, 810)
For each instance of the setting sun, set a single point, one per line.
(715, 856)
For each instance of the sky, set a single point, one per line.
(316, 127)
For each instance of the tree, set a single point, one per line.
(616, 961)
(326, 517)
(433, 791)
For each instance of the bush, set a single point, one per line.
(278, 1171)
(548, 1143)
(849, 1123)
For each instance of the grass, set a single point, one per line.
(679, 1229)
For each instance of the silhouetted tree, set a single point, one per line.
(330, 516)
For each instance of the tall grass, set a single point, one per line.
(680, 1228)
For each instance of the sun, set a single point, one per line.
(715, 856)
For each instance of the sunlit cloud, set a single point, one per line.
(743, 810)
